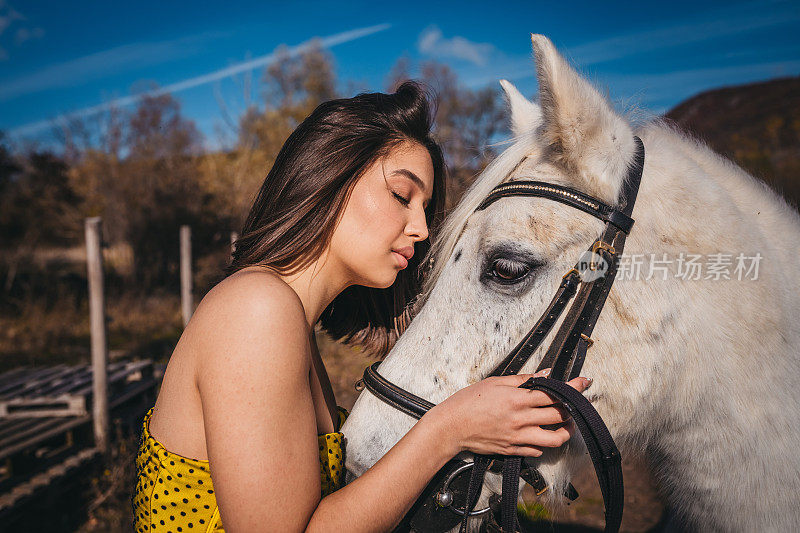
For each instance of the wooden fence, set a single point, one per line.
(55, 421)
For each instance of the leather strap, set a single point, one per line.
(563, 194)
(604, 454)
(390, 393)
(571, 358)
(559, 355)
(514, 361)
(479, 466)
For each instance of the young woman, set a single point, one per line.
(244, 433)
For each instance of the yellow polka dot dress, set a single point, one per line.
(175, 493)
(331, 458)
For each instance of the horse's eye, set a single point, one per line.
(507, 270)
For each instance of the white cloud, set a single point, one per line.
(432, 42)
(25, 34)
(332, 40)
(8, 15)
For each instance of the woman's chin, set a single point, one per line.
(386, 282)
(389, 282)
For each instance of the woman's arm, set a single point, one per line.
(493, 416)
(260, 424)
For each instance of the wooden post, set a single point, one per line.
(97, 321)
(186, 274)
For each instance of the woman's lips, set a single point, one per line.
(402, 261)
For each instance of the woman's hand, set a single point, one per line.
(495, 416)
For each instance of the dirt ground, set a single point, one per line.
(643, 509)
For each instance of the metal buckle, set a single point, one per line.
(444, 498)
(602, 245)
(571, 270)
(588, 340)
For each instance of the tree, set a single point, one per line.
(37, 203)
(400, 72)
(292, 86)
(140, 172)
(467, 121)
(297, 83)
(37, 207)
(159, 184)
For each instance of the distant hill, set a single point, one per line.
(757, 125)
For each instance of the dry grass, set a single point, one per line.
(59, 333)
(345, 365)
(109, 496)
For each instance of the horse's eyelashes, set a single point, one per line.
(508, 271)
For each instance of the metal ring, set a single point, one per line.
(445, 488)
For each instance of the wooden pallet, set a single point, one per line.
(45, 450)
(63, 391)
(30, 489)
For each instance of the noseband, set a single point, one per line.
(436, 510)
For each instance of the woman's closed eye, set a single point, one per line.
(401, 199)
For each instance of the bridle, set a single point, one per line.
(435, 510)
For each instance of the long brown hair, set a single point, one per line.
(304, 195)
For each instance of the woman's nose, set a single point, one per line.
(418, 225)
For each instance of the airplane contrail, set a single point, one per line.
(331, 40)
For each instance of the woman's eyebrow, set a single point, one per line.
(413, 177)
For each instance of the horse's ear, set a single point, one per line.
(581, 129)
(525, 115)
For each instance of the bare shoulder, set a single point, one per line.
(250, 296)
(252, 314)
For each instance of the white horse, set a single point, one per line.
(700, 376)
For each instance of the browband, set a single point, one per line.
(563, 194)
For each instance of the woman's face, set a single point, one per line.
(385, 212)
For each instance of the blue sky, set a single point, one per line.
(80, 57)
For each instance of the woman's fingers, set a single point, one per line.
(538, 398)
(515, 380)
(543, 438)
(580, 383)
(540, 416)
(570, 427)
(525, 451)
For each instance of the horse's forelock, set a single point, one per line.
(444, 242)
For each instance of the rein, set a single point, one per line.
(435, 509)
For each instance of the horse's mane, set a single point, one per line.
(453, 225)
